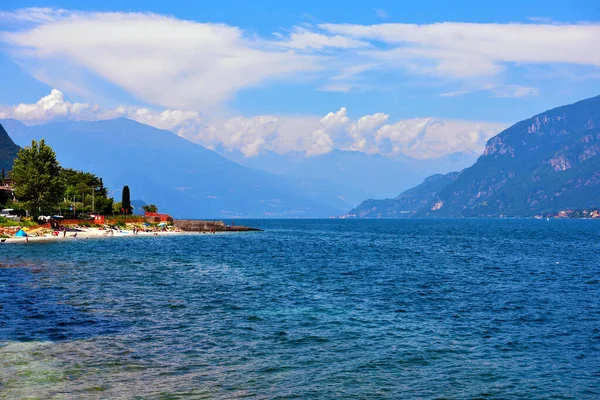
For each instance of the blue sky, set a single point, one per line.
(298, 61)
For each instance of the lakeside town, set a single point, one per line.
(40, 200)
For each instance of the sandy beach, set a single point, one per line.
(87, 233)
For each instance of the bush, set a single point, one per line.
(5, 222)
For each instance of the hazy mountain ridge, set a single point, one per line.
(543, 164)
(8, 150)
(358, 175)
(408, 203)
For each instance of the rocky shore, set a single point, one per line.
(193, 225)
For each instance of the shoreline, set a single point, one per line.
(95, 233)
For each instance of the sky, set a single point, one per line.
(425, 79)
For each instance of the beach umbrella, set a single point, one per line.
(162, 224)
(20, 233)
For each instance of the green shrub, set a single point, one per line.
(5, 222)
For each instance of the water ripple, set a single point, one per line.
(308, 309)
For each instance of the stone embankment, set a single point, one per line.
(190, 225)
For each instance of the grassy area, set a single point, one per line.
(5, 222)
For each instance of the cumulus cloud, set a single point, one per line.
(420, 138)
(54, 107)
(361, 133)
(51, 107)
(426, 138)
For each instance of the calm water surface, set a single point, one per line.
(308, 309)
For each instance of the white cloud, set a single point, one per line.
(351, 71)
(178, 64)
(513, 91)
(339, 88)
(464, 50)
(302, 38)
(506, 91)
(421, 138)
(50, 107)
(160, 60)
(381, 13)
(426, 138)
(320, 143)
(455, 94)
(362, 133)
(335, 121)
(245, 134)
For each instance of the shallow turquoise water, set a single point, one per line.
(308, 309)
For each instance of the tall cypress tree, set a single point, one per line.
(125, 200)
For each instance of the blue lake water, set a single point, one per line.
(308, 309)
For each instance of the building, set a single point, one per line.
(157, 218)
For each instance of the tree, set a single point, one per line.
(37, 179)
(125, 200)
(117, 207)
(90, 189)
(104, 205)
(150, 208)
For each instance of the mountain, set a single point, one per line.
(8, 150)
(357, 175)
(409, 203)
(547, 163)
(180, 177)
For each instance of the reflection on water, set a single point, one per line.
(338, 309)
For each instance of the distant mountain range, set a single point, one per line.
(545, 164)
(191, 181)
(358, 175)
(180, 177)
(8, 150)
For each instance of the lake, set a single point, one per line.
(308, 309)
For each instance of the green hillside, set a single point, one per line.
(8, 150)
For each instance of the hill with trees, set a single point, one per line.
(8, 150)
